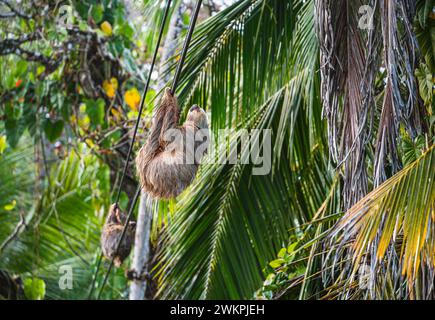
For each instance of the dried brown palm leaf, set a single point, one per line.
(401, 100)
(350, 60)
(343, 70)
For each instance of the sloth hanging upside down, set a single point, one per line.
(168, 162)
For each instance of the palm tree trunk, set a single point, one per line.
(142, 246)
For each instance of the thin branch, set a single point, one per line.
(9, 45)
(14, 11)
(15, 233)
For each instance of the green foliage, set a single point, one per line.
(34, 288)
(45, 92)
(53, 130)
(412, 149)
(230, 223)
(95, 111)
(280, 272)
(62, 227)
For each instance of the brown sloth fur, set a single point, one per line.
(161, 164)
(112, 231)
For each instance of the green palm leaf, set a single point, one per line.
(230, 223)
(255, 69)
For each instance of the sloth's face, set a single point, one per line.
(198, 117)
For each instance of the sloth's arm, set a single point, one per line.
(153, 143)
(165, 117)
(170, 120)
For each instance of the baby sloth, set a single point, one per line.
(168, 162)
(112, 231)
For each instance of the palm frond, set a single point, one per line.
(255, 68)
(390, 235)
(401, 99)
(349, 60)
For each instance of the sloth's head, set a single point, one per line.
(132, 226)
(198, 117)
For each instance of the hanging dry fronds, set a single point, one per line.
(401, 100)
(343, 68)
(349, 55)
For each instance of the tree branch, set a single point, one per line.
(14, 11)
(14, 234)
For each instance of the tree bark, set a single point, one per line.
(141, 247)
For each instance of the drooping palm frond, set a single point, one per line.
(229, 223)
(383, 247)
(401, 99)
(343, 69)
(350, 51)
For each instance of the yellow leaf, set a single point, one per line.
(73, 118)
(106, 27)
(109, 88)
(3, 144)
(132, 115)
(10, 206)
(282, 252)
(90, 143)
(82, 108)
(292, 247)
(132, 98)
(114, 83)
(40, 70)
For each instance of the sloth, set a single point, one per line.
(166, 167)
(112, 231)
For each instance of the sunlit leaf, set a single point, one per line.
(34, 288)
